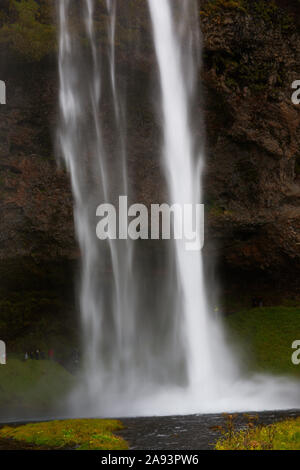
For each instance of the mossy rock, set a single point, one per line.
(79, 434)
(27, 28)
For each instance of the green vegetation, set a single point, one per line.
(81, 434)
(41, 320)
(27, 28)
(215, 7)
(33, 384)
(284, 435)
(266, 336)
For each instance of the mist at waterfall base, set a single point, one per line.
(151, 341)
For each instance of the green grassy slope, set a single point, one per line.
(33, 384)
(265, 337)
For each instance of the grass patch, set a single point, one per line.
(266, 335)
(33, 384)
(280, 436)
(81, 434)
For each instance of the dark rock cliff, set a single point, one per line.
(251, 58)
(252, 178)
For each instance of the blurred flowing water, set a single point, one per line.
(150, 346)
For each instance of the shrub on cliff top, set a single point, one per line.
(27, 28)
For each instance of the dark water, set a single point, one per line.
(194, 432)
(187, 432)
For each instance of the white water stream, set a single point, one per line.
(172, 357)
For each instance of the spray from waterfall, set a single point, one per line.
(151, 346)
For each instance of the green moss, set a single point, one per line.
(264, 10)
(27, 28)
(280, 436)
(82, 434)
(241, 70)
(215, 7)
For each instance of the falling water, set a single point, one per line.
(104, 304)
(176, 58)
(149, 347)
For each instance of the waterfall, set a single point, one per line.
(177, 53)
(105, 306)
(149, 346)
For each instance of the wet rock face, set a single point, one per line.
(252, 176)
(252, 179)
(36, 223)
(36, 202)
